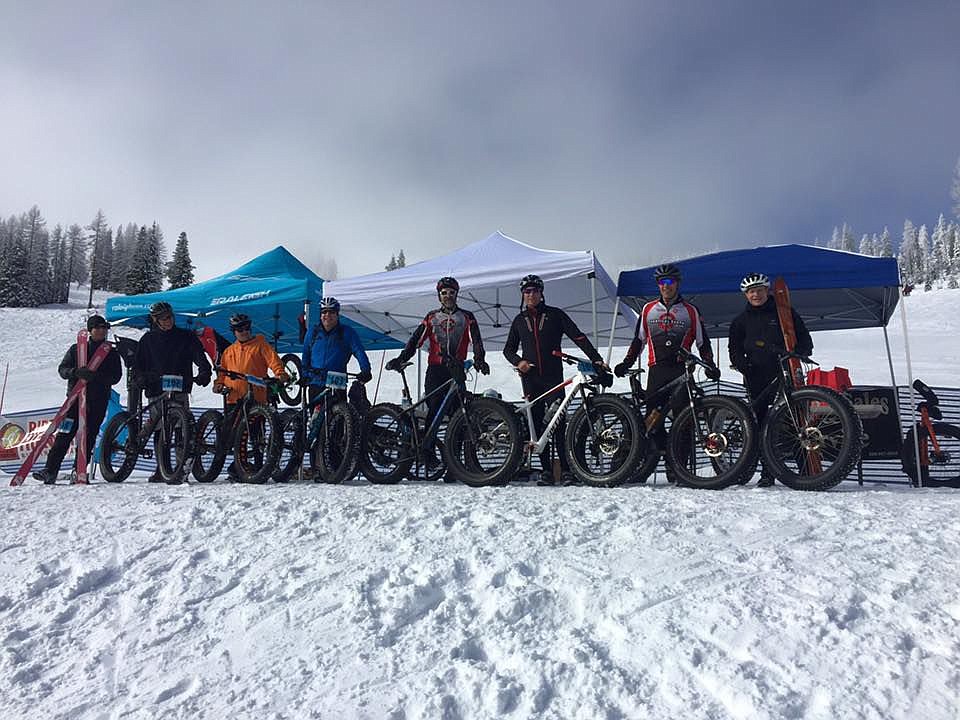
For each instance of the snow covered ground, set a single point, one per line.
(439, 601)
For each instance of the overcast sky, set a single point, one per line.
(645, 130)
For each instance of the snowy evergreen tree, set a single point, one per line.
(923, 257)
(908, 251)
(180, 271)
(61, 279)
(401, 259)
(36, 239)
(835, 239)
(885, 246)
(392, 265)
(146, 272)
(940, 251)
(14, 288)
(955, 190)
(866, 245)
(77, 268)
(847, 240)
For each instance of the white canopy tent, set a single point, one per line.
(489, 273)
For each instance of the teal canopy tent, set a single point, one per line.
(271, 289)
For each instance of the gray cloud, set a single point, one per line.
(640, 129)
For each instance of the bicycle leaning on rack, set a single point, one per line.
(127, 434)
(812, 435)
(939, 447)
(481, 445)
(713, 441)
(249, 430)
(602, 437)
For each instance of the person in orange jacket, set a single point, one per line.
(250, 354)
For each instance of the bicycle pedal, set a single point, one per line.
(146, 454)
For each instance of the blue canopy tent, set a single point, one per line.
(831, 289)
(271, 289)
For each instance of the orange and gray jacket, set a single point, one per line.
(253, 357)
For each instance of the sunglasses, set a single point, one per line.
(328, 312)
(527, 291)
(241, 328)
(448, 291)
(164, 318)
(668, 282)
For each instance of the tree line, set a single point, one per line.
(37, 265)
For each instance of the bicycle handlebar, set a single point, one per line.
(252, 379)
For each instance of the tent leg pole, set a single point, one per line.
(613, 328)
(913, 404)
(593, 307)
(303, 397)
(419, 386)
(383, 359)
(886, 341)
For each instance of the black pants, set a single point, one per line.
(756, 383)
(96, 409)
(436, 376)
(533, 387)
(657, 377)
(181, 398)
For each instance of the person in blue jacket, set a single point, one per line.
(328, 346)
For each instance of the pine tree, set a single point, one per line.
(180, 270)
(36, 282)
(14, 288)
(923, 257)
(955, 190)
(847, 240)
(77, 268)
(835, 239)
(908, 250)
(146, 273)
(392, 265)
(940, 251)
(401, 259)
(866, 245)
(61, 280)
(885, 245)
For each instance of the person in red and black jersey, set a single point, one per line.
(538, 330)
(664, 326)
(450, 331)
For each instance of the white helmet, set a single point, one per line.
(754, 280)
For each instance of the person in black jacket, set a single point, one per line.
(99, 382)
(755, 340)
(539, 329)
(168, 350)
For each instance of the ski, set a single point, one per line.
(80, 439)
(95, 362)
(781, 296)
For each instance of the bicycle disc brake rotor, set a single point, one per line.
(715, 444)
(811, 438)
(608, 442)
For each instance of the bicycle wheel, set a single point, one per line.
(428, 467)
(482, 445)
(255, 445)
(118, 447)
(208, 450)
(294, 367)
(290, 438)
(386, 454)
(334, 453)
(814, 441)
(175, 443)
(713, 444)
(944, 467)
(604, 442)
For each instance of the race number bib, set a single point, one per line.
(171, 383)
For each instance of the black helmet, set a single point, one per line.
(330, 303)
(533, 281)
(667, 270)
(754, 280)
(95, 321)
(159, 309)
(239, 321)
(447, 282)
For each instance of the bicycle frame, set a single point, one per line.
(583, 377)
(452, 388)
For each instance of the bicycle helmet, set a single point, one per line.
(754, 280)
(531, 281)
(667, 270)
(447, 282)
(240, 321)
(159, 309)
(330, 303)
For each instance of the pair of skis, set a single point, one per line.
(77, 395)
